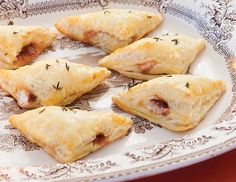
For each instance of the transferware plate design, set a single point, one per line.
(148, 149)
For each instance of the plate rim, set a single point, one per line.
(163, 6)
(165, 169)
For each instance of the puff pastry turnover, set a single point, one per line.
(68, 135)
(177, 102)
(19, 45)
(50, 82)
(151, 57)
(109, 29)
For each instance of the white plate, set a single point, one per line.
(148, 149)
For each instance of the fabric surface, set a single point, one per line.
(217, 169)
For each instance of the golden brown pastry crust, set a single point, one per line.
(19, 45)
(177, 102)
(50, 82)
(109, 29)
(68, 135)
(149, 58)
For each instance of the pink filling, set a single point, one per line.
(158, 105)
(147, 66)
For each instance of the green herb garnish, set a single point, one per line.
(47, 66)
(176, 41)
(67, 67)
(157, 38)
(57, 87)
(187, 85)
(42, 111)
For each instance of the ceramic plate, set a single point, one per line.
(148, 149)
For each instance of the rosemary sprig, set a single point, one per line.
(57, 87)
(187, 85)
(47, 66)
(42, 111)
(166, 34)
(67, 67)
(188, 72)
(176, 41)
(157, 38)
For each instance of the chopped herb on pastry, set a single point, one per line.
(151, 57)
(177, 102)
(19, 45)
(68, 135)
(50, 82)
(109, 29)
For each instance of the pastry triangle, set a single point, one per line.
(19, 45)
(67, 134)
(176, 102)
(50, 82)
(109, 29)
(149, 58)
